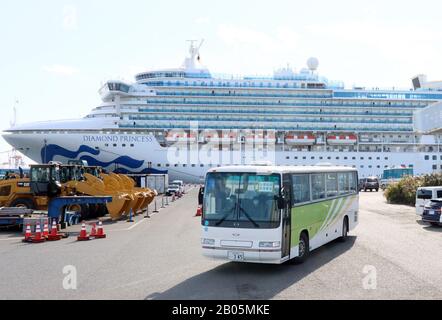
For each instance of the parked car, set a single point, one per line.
(361, 183)
(180, 183)
(370, 183)
(424, 195)
(432, 212)
(173, 189)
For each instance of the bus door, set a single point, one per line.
(286, 215)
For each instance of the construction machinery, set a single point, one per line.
(48, 181)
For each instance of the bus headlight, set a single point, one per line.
(208, 242)
(270, 244)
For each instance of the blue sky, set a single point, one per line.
(55, 54)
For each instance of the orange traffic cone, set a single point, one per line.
(46, 230)
(93, 231)
(54, 236)
(38, 236)
(28, 234)
(199, 212)
(100, 234)
(83, 234)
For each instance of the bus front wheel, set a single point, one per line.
(304, 249)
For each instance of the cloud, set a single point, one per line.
(70, 20)
(60, 70)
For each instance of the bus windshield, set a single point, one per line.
(246, 198)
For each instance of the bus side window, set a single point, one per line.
(343, 183)
(301, 188)
(353, 181)
(318, 186)
(332, 184)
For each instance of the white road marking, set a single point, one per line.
(11, 239)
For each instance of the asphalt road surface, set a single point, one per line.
(390, 255)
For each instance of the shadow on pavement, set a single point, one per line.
(251, 281)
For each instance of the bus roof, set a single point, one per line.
(282, 169)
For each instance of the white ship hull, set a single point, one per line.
(139, 153)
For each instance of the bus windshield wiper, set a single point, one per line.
(225, 216)
(248, 216)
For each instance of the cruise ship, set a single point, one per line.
(186, 120)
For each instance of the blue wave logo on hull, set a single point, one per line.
(49, 152)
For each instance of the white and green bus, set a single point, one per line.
(271, 214)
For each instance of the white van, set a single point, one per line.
(180, 183)
(424, 195)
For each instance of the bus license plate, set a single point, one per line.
(236, 256)
(431, 212)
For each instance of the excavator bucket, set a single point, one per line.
(148, 195)
(107, 187)
(138, 197)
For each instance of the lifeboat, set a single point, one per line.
(261, 138)
(342, 139)
(180, 137)
(301, 139)
(214, 137)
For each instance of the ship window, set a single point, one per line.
(159, 164)
(106, 145)
(434, 157)
(362, 158)
(132, 145)
(427, 157)
(434, 166)
(193, 166)
(114, 144)
(123, 145)
(167, 165)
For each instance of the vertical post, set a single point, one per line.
(162, 202)
(147, 213)
(156, 209)
(167, 200)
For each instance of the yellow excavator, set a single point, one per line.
(54, 179)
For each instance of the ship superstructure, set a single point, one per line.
(186, 120)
